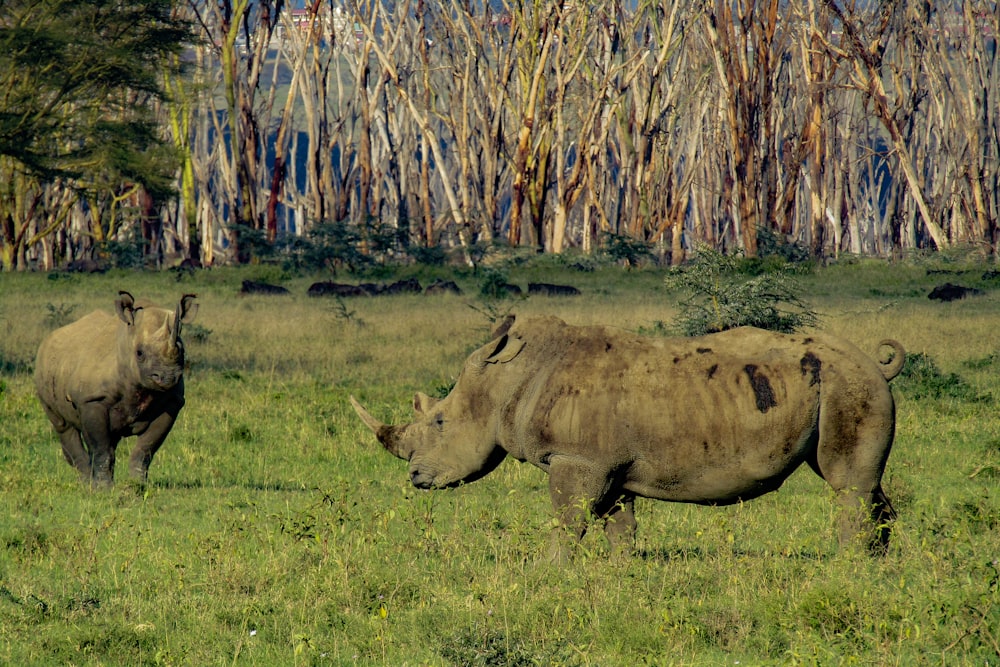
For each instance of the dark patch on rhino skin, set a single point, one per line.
(811, 365)
(807, 341)
(711, 371)
(761, 388)
(704, 350)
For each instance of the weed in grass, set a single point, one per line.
(922, 379)
(343, 314)
(58, 315)
(983, 362)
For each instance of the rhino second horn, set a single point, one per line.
(385, 433)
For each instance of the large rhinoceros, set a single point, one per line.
(104, 378)
(611, 415)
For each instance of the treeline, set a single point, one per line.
(432, 129)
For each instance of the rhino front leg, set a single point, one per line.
(101, 444)
(148, 443)
(578, 490)
(620, 525)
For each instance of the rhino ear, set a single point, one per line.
(503, 328)
(125, 307)
(187, 309)
(422, 403)
(507, 348)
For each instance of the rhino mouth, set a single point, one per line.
(163, 381)
(423, 480)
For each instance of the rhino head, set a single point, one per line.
(453, 440)
(150, 345)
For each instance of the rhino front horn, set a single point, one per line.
(385, 433)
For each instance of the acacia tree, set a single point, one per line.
(78, 77)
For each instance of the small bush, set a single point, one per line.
(490, 647)
(10, 366)
(494, 285)
(625, 249)
(723, 296)
(127, 253)
(433, 256)
(771, 244)
(196, 333)
(332, 245)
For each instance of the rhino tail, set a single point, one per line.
(894, 365)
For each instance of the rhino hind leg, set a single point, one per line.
(866, 517)
(865, 511)
(74, 452)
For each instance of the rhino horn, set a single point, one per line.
(386, 434)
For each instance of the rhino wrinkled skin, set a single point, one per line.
(106, 377)
(611, 416)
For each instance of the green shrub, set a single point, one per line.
(723, 296)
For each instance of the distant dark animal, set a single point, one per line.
(951, 292)
(408, 286)
(86, 266)
(612, 416)
(106, 377)
(253, 287)
(508, 288)
(338, 289)
(548, 289)
(440, 286)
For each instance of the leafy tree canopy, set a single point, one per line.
(78, 78)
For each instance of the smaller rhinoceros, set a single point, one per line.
(611, 416)
(104, 378)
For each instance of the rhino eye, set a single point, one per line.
(439, 420)
(139, 354)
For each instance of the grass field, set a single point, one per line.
(275, 531)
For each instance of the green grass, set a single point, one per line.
(275, 531)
